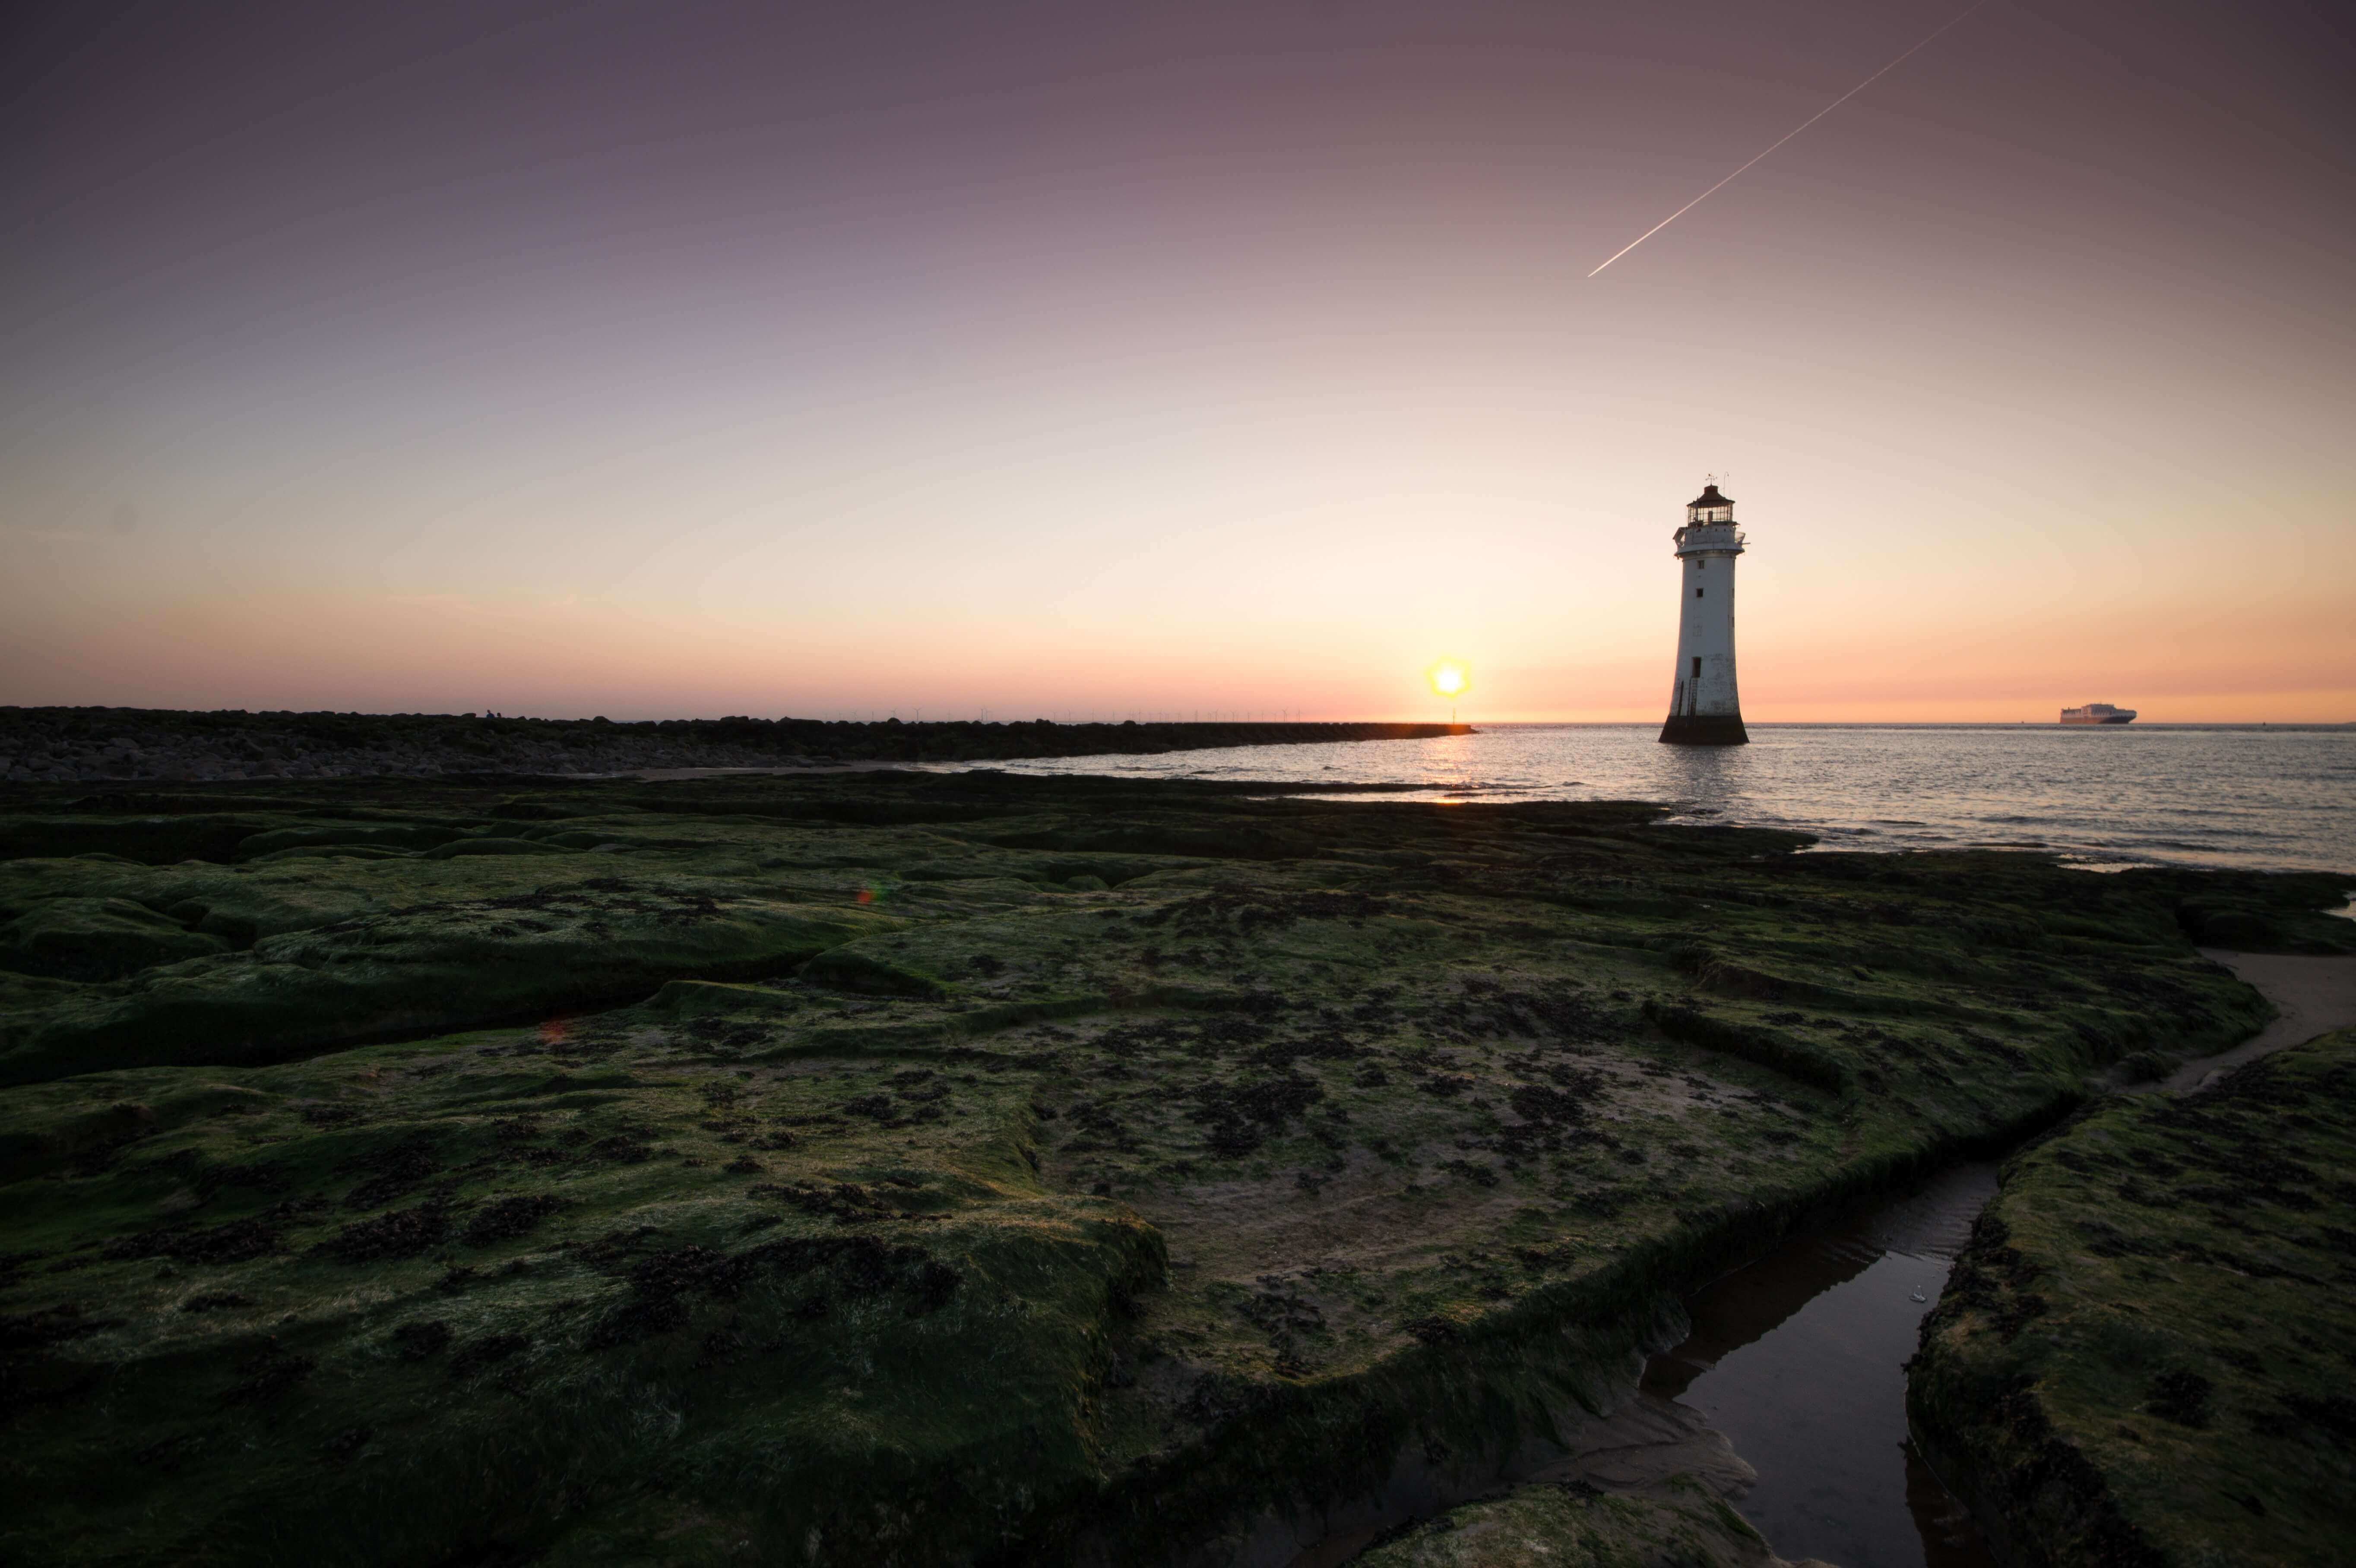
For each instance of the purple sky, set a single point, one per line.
(1100, 360)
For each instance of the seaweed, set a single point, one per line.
(421, 1341)
(402, 1233)
(2182, 1311)
(505, 1219)
(1048, 1219)
(234, 1242)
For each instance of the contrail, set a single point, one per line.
(1803, 124)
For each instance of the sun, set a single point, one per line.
(1450, 679)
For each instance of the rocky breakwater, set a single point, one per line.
(63, 745)
(926, 1170)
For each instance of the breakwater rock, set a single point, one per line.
(58, 745)
(907, 1168)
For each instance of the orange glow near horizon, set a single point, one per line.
(2288, 662)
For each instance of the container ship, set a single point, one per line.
(2098, 713)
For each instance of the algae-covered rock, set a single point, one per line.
(463, 847)
(708, 998)
(150, 839)
(351, 835)
(853, 969)
(418, 969)
(331, 852)
(831, 1181)
(2144, 1355)
(414, 1297)
(1578, 1526)
(2253, 911)
(97, 939)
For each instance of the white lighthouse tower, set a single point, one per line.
(1704, 709)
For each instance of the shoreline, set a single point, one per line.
(1236, 1150)
(1826, 787)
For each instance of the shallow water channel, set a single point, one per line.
(1798, 1358)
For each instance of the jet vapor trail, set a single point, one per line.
(1803, 124)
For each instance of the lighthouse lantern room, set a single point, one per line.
(1704, 709)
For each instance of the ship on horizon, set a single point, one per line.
(2098, 713)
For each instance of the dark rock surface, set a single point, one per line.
(916, 1168)
(2147, 1354)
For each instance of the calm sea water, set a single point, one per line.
(2268, 798)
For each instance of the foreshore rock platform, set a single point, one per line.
(2147, 1354)
(958, 1168)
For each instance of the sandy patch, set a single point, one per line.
(2312, 996)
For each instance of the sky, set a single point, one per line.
(1150, 362)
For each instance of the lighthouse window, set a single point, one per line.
(1697, 669)
(1698, 593)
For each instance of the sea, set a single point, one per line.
(2259, 797)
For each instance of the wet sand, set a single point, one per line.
(2312, 996)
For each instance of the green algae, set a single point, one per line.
(1575, 1526)
(97, 939)
(638, 1271)
(420, 966)
(833, 1168)
(2144, 1356)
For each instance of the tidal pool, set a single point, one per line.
(1799, 1359)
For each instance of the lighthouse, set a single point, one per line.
(1704, 709)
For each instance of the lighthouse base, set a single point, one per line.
(1704, 730)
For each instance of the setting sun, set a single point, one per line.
(1450, 679)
